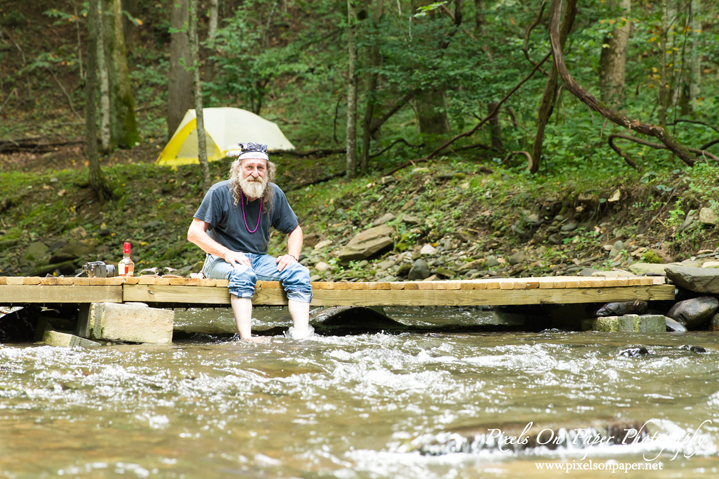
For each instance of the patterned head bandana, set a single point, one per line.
(253, 150)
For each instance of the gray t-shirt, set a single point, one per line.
(227, 225)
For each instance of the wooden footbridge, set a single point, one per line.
(179, 292)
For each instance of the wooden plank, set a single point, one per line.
(222, 283)
(3, 280)
(396, 286)
(147, 279)
(571, 283)
(50, 281)
(157, 293)
(82, 281)
(411, 286)
(208, 282)
(49, 294)
(506, 284)
(14, 280)
(591, 282)
(419, 297)
(269, 284)
(31, 280)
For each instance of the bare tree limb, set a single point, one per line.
(588, 99)
(318, 152)
(713, 142)
(395, 108)
(476, 145)
(613, 146)
(7, 99)
(658, 146)
(505, 161)
(695, 122)
(401, 140)
(72, 107)
(492, 113)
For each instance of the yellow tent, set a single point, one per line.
(224, 128)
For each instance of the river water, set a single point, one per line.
(409, 405)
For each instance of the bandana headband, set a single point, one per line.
(256, 155)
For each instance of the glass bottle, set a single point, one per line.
(126, 267)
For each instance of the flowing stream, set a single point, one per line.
(407, 405)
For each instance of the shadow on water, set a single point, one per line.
(349, 321)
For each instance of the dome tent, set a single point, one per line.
(224, 127)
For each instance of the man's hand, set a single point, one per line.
(284, 261)
(235, 258)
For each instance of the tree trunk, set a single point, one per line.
(550, 91)
(663, 80)
(105, 133)
(480, 18)
(351, 91)
(180, 76)
(429, 104)
(197, 84)
(696, 72)
(123, 124)
(495, 127)
(613, 59)
(96, 179)
(585, 97)
(371, 78)
(211, 34)
(130, 30)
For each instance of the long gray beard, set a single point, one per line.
(253, 189)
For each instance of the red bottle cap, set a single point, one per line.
(126, 248)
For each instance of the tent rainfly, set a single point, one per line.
(224, 128)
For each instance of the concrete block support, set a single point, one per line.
(56, 338)
(130, 322)
(630, 323)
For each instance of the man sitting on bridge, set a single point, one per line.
(225, 228)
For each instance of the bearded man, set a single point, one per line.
(232, 225)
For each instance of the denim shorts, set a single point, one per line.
(295, 278)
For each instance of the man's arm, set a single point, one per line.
(294, 248)
(197, 234)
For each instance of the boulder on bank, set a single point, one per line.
(699, 280)
(367, 244)
(630, 323)
(648, 268)
(708, 217)
(693, 313)
(620, 309)
(420, 270)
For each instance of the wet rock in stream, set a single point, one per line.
(620, 309)
(635, 352)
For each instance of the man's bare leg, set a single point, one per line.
(242, 309)
(300, 313)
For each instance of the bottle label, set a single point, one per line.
(121, 269)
